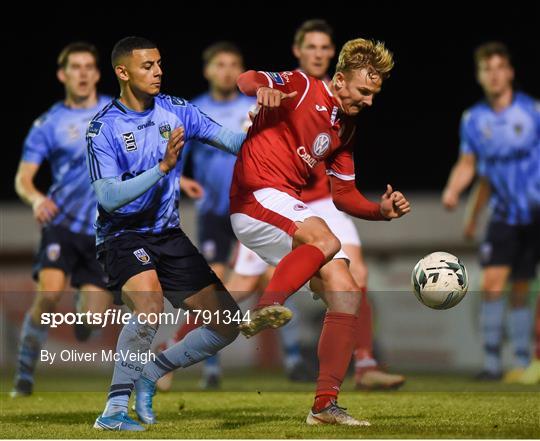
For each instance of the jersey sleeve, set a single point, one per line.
(341, 164)
(36, 146)
(289, 82)
(101, 152)
(197, 124)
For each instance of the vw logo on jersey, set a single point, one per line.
(321, 144)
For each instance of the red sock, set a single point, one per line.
(186, 328)
(537, 329)
(336, 345)
(322, 402)
(363, 351)
(295, 269)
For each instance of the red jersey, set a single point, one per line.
(285, 144)
(318, 186)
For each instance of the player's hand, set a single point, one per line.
(191, 188)
(44, 209)
(469, 230)
(174, 146)
(449, 199)
(272, 98)
(394, 204)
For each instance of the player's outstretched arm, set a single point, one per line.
(347, 198)
(113, 193)
(43, 207)
(227, 140)
(460, 178)
(476, 203)
(254, 83)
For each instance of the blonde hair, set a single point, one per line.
(365, 54)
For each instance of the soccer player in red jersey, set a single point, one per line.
(303, 122)
(314, 49)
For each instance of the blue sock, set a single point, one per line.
(290, 337)
(519, 331)
(212, 366)
(134, 338)
(31, 341)
(196, 346)
(491, 322)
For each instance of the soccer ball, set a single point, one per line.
(440, 280)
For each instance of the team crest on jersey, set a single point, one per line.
(299, 207)
(178, 101)
(73, 132)
(142, 256)
(486, 132)
(129, 141)
(53, 252)
(518, 129)
(276, 78)
(321, 144)
(165, 131)
(94, 128)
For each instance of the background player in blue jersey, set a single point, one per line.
(66, 214)
(133, 147)
(500, 140)
(213, 169)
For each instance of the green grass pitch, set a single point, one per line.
(265, 405)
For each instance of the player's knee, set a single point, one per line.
(359, 271)
(491, 289)
(47, 300)
(328, 243)
(148, 303)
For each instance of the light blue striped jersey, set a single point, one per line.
(58, 136)
(506, 145)
(123, 143)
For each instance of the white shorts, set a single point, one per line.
(265, 226)
(340, 224)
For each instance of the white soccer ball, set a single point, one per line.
(440, 280)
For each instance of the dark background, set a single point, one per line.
(409, 138)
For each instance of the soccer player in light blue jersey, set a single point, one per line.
(133, 148)
(500, 141)
(66, 214)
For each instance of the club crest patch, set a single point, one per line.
(165, 131)
(53, 252)
(142, 256)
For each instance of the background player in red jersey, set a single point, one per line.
(303, 122)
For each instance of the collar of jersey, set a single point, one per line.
(133, 112)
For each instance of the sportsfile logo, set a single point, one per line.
(129, 141)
